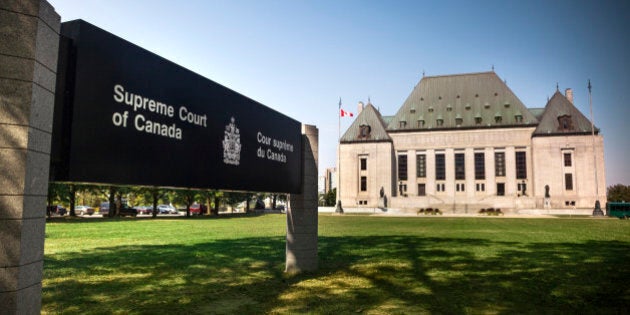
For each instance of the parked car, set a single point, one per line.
(197, 209)
(144, 209)
(125, 210)
(83, 210)
(167, 209)
(56, 209)
(104, 208)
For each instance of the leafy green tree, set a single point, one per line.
(217, 202)
(152, 195)
(207, 198)
(330, 197)
(618, 193)
(58, 193)
(187, 197)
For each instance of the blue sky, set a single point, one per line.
(300, 57)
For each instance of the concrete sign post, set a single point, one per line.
(301, 252)
(29, 39)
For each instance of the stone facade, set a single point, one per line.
(29, 39)
(549, 162)
(475, 160)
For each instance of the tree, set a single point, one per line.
(617, 193)
(153, 194)
(73, 198)
(330, 198)
(187, 197)
(207, 197)
(217, 200)
(57, 193)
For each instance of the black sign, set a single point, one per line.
(124, 115)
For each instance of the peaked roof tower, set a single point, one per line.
(561, 117)
(367, 127)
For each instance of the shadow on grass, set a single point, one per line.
(377, 274)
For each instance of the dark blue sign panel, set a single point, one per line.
(127, 116)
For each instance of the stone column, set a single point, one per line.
(301, 250)
(412, 179)
(430, 185)
(29, 41)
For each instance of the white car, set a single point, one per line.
(83, 210)
(166, 209)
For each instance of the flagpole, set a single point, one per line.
(339, 209)
(597, 211)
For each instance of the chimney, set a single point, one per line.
(569, 94)
(360, 108)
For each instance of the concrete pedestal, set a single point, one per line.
(301, 250)
(29, 41)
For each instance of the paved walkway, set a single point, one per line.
(526, 213)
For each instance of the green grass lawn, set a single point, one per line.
(368, 265)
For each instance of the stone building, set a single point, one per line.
(465, 142)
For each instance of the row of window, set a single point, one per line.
(440, 187)
(460, 171)
(460, 187)
(439, 122)
(460, 166)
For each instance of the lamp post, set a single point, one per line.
(339, 208)
(597, 211)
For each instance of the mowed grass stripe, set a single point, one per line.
(368, 264)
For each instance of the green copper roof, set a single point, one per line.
(561, 117)
(474, 100)
(371, 118)
(537, 112)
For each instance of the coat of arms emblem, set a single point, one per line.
(232, 144)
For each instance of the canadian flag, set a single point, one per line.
(343, 113)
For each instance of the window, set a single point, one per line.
(420, 123)
(499, 163)
(440, 167)
(459, 121)
(518, 118)
(363, 164)
(565, 123)
(403, 124)
(460, 187)
(500, 189)
(364, 131)
(440, 187)
(478, 120)
(422, 190)
(567, 160)
(481, 186)
(568, 181)
(402, 167)
(439, 122)
(498, 119)
(480, 166)
(421, 165)
(521, 165)
(363, 183)
(460, 169)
